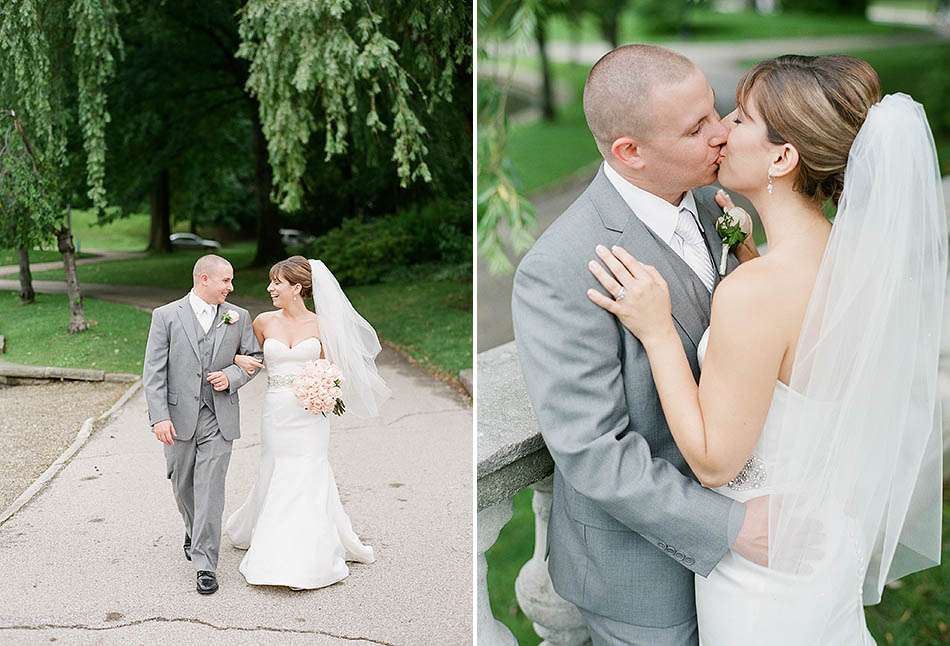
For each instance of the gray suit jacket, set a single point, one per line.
(629, 522)
(172, 374)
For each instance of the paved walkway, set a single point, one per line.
(96, 558)
(100, 256)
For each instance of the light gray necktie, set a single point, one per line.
(689, 244)
(207, 318)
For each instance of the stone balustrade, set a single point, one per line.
(512, 456)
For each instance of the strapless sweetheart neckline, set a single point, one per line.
(291, 347)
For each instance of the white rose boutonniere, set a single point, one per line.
(733, 227)
(229, 317)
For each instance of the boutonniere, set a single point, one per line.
(733, 227)
(229, 317)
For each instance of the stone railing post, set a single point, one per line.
(555, 620)
(491, 632)
(512, 456)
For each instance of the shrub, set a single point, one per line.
(360, 252)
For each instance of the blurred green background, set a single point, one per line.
(533, 140)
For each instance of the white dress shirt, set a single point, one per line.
(684, 235)
(203, 310)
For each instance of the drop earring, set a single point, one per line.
(770, 187)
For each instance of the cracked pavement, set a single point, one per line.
(96, 557)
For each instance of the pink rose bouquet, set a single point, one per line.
(318, 388)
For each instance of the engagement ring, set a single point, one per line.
(620, 294)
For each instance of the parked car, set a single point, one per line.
(295, 237)
(192, 241)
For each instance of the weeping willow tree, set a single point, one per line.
(505, 216)
(351, 71)
(57, 59)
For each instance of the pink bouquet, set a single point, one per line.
(318, 388)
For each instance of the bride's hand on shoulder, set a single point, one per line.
(638, 294)
(250, 365)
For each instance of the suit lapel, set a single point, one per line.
(186, 317)
(689, 298)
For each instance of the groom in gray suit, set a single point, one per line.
(191, 385)
(630, 525)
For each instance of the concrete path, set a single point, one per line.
(100, 256)
(95, 557)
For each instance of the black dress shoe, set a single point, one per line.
(187, 547)
(207, 582)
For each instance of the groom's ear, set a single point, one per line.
(626, 151)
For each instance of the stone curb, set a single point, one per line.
(85, 430)
(17, 371)
(465, 378)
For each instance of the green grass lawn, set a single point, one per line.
(129, 233)
(12, 257)
(545, 153)
(709, 25)
(161, 270)
(36, 334)
(430, 318)
(912, 615)
(125, 234)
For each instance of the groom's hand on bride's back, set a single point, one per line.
(752, 542)
(165, 431)
(806, 538)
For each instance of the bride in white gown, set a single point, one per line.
(818, 392)
(292, 523)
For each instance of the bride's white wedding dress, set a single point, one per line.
(292, 523)
(741, 602)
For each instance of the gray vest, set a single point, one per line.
(205, 352)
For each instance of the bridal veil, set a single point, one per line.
(862, 442)
(351, 343)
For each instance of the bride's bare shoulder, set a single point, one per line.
(264, 317)
(763, 288)
(759, 280)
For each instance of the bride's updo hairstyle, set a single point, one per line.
(296, 271)
(817, 104)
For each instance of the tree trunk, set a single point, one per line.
(160, 212)
(64, 237)
(269, 245)
(547, 95)
(27, 295)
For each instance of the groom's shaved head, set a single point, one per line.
(209, 264)
(618, 95)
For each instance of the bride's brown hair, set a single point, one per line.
(817, 104)
(296, 271)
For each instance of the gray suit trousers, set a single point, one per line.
(197, 468)
(605, 631)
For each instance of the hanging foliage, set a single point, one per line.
(333, 66)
